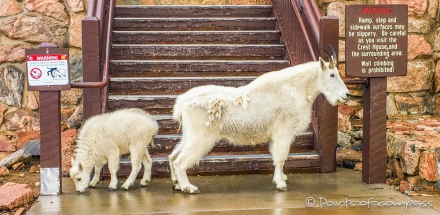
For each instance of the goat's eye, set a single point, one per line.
(78, 179)
(332, 75)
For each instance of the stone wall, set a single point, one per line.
(413, 102)
(26, 24)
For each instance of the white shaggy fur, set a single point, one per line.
(274, 108)
(103, 138)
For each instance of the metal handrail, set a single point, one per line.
(106, 70)
(312, 17)
(304, 30)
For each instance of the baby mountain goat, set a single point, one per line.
(274, 108)
(103, 138)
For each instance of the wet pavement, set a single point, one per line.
(342, 192)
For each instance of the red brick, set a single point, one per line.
(14, 195)
(429, 165)
(24, 136)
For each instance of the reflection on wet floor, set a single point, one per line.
(239, 194)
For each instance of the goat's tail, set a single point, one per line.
(177, 111)
(152, 142)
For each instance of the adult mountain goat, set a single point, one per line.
(103, 138)
(274, 108)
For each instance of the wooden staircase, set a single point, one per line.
(159, 52)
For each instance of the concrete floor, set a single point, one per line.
(241, 194)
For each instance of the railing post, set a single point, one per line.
(48, 73)
(374, 152)
(50, 142)
(326, 135)
(91, 52)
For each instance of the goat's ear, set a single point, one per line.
(73, 161)
(80, 167)
(322, 64)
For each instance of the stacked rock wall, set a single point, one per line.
(25, 24)
(413, 101)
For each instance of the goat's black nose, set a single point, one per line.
(348, 95)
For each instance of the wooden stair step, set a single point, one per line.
(206, 37)
(193, 67)
(153, 104)
(195, 23)
(199, 51)
(165, 143)
(169, 126)
(170, 85)
(229, 164)
(193, 11)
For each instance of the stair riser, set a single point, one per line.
(168, 86)
(168, 24)
(168, 126)
(193, 11)
(195, 68)
(125, 37)
(176, 52)
(161, 105)
(225, 167)
(164, 144)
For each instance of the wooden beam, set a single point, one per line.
(326, 120)
(91, 66)
(374, 154)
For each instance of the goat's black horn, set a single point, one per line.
(333, 50)
(329, 56)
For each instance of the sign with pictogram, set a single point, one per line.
(47, 69)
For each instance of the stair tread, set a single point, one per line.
(192, 10)
(196, 6)
(197, 45)
(202, 78)
(201, 61)
(201, 32)
(291, 156)
(135, 97)
(195, 36)
(197, 51)
(180, 135)
(192, 18)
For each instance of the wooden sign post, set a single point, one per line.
(376, 41)
(48, 72)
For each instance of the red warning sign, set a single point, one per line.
(47, 69)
